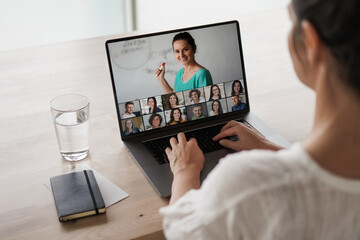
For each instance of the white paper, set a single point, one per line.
(110, 192)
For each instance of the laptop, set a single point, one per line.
(149, 116)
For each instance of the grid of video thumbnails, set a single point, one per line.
(176, 108)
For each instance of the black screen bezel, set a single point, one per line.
(185, 124)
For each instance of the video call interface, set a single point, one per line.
(179, 107)
(133, 65)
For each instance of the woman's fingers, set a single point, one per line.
(225, 133)
(168, 151)
(232, 128)
(181, 138)
(160, 71)
(229, 144)
(173, 142)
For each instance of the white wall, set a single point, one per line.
(25, 23)
(157, 15)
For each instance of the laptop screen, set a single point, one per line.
(176, 78)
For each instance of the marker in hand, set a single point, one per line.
(160, 68)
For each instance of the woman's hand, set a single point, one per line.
(186, 162)
(247, 138)
(185, 156)
(160, 74)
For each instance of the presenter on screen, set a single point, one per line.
(192, 75)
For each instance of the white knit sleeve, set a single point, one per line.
(204, 213)
(215, 211)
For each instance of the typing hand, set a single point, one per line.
(185, 156)
(186, 162)
(238, 136)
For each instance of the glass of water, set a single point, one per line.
(71, 120)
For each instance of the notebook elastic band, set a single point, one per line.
(91, 192)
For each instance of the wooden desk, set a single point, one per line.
(30, 78)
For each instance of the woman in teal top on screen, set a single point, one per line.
(193, 75)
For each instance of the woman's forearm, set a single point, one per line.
(184, 182)
(165, 86)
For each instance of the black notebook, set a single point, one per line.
(77, 195)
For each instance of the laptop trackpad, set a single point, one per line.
(211, 160)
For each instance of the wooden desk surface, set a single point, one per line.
(30, 78)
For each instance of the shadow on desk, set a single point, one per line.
(153, 236)
(82, 223)
(102, 219)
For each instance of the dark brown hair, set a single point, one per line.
(155, 104)
(168, 101)
(337, 24)
(153, 116)
(211, 91)
(172, 118)
(233, 85)
(197, 92)
(220, 107)
(187, 37)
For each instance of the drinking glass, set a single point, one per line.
(70, 114)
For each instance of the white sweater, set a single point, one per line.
(267, 195)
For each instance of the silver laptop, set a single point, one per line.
(148, 117)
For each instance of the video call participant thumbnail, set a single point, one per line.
(129, 110)
(151, 121)
(237, 104)
(215, 91)
(234, 88)
(215, 107)
(237, 88)
(155, 120)
(132, 125)
(173, 100)
(176, 117)
(197, 111)
(152, 106)
(194, 96)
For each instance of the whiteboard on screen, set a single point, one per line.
(134, 61)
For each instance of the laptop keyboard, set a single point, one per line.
(203, 137)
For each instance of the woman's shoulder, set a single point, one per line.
(202, 71)
(204, 75)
